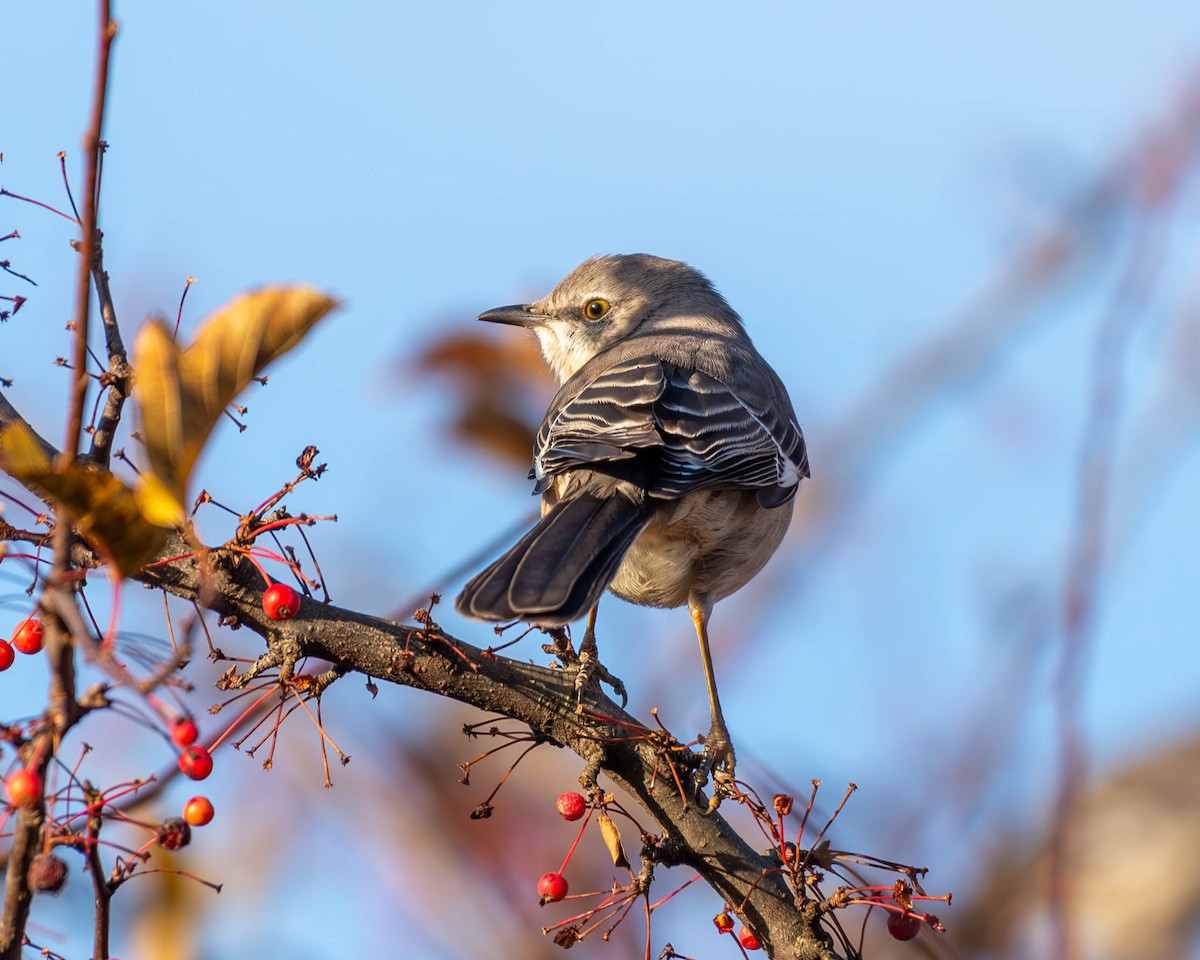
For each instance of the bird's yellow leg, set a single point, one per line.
(718, 747)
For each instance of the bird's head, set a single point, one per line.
(608, 299)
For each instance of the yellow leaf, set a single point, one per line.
(104, 510)
(158, 504)
(184, 392)
(612, 840)
(20, 454)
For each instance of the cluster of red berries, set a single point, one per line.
(47, 873)
(24, 787)
(174, 833)
(28, 637)
(197, 763)
(552, 886)
(724, 924)
(194, 761)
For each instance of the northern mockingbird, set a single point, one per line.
(667, 463)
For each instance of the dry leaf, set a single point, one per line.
(612, 840)
(106, 512)
(183, 392)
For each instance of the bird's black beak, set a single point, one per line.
(518, 315)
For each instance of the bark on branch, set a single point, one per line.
(543, 698)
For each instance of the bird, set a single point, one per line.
(667, 464)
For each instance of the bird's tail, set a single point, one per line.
(557, 571)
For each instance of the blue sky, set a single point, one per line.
(848, 175)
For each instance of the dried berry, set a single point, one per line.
(903, 926)
(174, 833)
(47, 873)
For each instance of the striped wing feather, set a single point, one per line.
(673, 431)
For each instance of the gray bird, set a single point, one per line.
(667, 464)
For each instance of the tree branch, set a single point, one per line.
(538, 696)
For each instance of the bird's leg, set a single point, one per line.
(588, 645)
(589, 657)
(590, 665)
(718, 747)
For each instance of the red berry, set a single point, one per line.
(748, 940)
(47, 873)
(281, 602)
(24, 787)
(198, 811)
(6, 655)
(173, 834)
(552, 887)
(571, 806)
(28, 636)
(903, 926)
(196, 762)
(723, 922)
(184, 732)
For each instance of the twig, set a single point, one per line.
(88, 243)
(100, 885)
(1086, 557)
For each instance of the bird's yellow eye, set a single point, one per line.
(595, 309)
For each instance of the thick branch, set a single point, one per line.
(544, 699)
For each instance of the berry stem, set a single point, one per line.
(808, 808)
(242, 716)
(578, 837)
(679, 889)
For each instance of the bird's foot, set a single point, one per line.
(591, 670)
(719, 762)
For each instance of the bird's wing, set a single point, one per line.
(674, 431)
(602, 424)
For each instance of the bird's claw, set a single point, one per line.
(618, 687)
(719, 762)
(591, 670)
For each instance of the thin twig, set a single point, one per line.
(1086, 558)
(88, 243)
